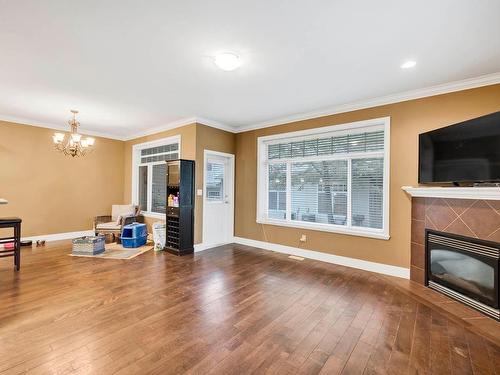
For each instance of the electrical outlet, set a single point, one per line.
(303, 238)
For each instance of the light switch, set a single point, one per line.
(199, 192)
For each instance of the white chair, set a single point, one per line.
(121, 214)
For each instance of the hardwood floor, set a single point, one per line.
(231, 310)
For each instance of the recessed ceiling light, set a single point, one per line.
(227, 61)
(408, 64)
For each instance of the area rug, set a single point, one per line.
(116, 251)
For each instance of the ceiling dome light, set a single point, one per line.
(227, 61)
(408, 64)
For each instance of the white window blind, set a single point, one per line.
(326, 179)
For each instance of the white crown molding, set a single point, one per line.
(46, 125)
(217, 125)
(470, 83)
(158, 129)
(385, 269)
(59, 236)
(180, 123)
(487, 193)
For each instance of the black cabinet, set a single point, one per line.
(180, 207)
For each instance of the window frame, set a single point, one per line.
(263, 162)
(136, 163)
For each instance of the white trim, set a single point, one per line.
(161, 128)
(216, 124)
(202, 246)
(60, 236)
(180, 123)
(153, 215)
(231, 165)
(135, 162)
(40, 124)
(331, 228)
(465, 84)
(383, 123)
(157, 142)
(344, 128)
(385, 269)
(488, 193)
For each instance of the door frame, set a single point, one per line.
(231, 167)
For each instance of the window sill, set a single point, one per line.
(378, 234)
(153, 215)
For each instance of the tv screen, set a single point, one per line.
(465, 152)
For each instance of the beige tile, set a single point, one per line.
(417, 232)
(418, 208)
(481, 219)
(441, 214)
(418, 255)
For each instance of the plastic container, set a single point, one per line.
(134, 235)
(159, 235)
(89, 245)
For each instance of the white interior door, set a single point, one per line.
(218, 198)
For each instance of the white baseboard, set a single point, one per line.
(60, 236)
(385, 269)
(201, 246)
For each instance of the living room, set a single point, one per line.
(245, 199)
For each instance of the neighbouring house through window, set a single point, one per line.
(149, 173)
(332, 179)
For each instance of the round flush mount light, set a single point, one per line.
(408, 64)
(227, 61)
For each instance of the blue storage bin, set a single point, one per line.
(134, 235)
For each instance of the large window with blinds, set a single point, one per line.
(331, 179)
(149, 174)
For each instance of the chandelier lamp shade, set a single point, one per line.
(75, 144)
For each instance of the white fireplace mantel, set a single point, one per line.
(487, 193)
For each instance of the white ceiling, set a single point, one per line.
(131, 66)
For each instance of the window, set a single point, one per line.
(149, 173)
(214, 185)
(331, 179)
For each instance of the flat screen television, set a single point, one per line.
(467, 152)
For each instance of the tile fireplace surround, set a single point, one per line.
(477, 218)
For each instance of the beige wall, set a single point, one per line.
(53, 193)
(194, 139)
(208, 138)
(408, 119)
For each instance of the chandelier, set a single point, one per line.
(75, 145)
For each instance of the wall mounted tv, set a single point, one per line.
(467, 152)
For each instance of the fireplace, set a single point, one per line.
(464, 268)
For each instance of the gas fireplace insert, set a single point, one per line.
(465, 269)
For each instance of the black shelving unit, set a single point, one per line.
(180, 220)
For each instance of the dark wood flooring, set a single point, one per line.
(230, 310)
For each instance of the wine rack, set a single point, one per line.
(180, 213)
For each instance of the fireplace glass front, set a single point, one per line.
(465, 269)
